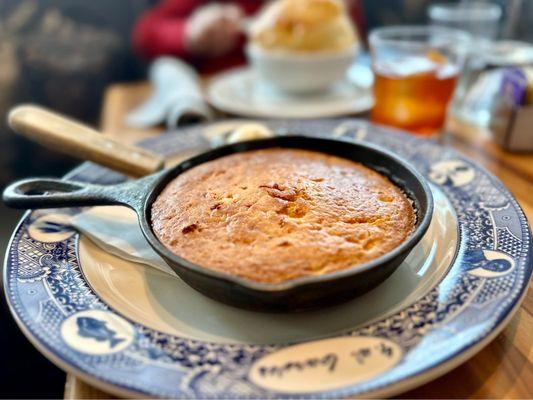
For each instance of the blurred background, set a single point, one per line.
(63, 54)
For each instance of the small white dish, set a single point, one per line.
(240, 91)
(301, 73)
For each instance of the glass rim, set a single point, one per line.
(398, 35)
(473, 10)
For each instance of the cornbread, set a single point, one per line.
(277, 214)
(304, 26)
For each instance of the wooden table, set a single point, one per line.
(504, 368)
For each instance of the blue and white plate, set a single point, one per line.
(132, 330)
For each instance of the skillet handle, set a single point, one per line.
(70, 137)
(56, 193)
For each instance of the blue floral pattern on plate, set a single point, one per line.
(46, 288)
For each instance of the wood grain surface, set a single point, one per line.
(503, 369)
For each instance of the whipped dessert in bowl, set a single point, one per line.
(302, 46)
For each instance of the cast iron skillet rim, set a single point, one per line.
(405, 246)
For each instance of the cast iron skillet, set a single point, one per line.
(294, 295)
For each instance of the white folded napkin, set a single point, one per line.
(176, 98)
(115, 229)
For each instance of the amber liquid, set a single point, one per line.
(415, 102)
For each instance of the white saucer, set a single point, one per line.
(239, 91)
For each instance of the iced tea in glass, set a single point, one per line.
(415, 70)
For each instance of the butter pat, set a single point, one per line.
(249, 131)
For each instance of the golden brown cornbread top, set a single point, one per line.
(277, 214)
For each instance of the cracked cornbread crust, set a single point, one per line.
(277, 214)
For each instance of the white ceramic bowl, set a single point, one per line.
(301, 73)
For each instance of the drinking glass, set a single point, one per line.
(480, 19)
(415, 68)
(475, 88)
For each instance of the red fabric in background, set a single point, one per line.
(161, 31)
